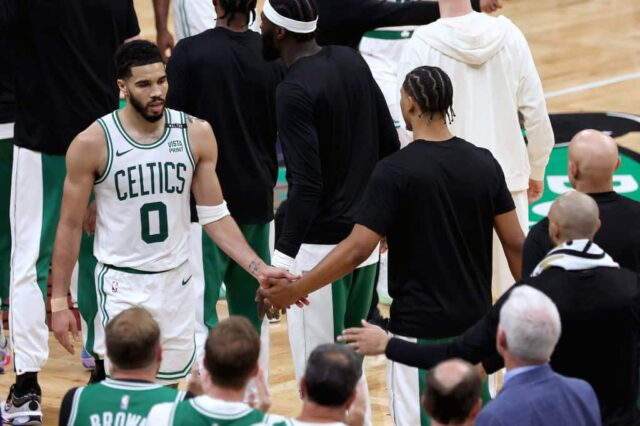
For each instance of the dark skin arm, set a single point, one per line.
(512, 238)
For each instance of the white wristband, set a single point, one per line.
(281, 260)
(59, 304)
(208, 214)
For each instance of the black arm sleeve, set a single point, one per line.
(536, 246)
(66, 406)
(477, 344)
(178, 78)
(299, 139)
(132, 29)
(383, 13)
(381, 199)
(8, 15)
(389, 142)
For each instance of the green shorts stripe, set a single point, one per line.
(6, 162)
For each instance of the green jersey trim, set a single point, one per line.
(389, 34)
(135, 271)
(74, 406)
(125, 135)
(131, 386)
(223, 416)
(103, 296)
(107, 168)
(185, 134)
(168, 375)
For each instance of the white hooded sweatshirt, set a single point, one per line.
(493, 76)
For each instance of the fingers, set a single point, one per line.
(74, 330)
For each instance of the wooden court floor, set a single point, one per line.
(588, 56)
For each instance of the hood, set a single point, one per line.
(473, 38)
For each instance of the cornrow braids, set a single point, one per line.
(231, 7)
(432, 90)
(300, 10)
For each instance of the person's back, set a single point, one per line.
(341, 95)
(239, 103)
(598, 305)
(487, 59)
(117, 402)
(535, 397)
(454, 213)
(61, 94)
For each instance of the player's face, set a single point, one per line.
(270, 51)
(147, 90)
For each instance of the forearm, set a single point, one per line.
(227, 235)
(161, 13)
(341, 261)
(302, 206)
(65, 255)
(513, 252)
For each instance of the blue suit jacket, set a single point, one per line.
(541, 397)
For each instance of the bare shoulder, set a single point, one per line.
(201, 137)
(89, 148)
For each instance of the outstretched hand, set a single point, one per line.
(368, 340)
(281, 293)
(61, 323)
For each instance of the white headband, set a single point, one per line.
(299, 27)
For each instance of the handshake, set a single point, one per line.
(279, 290)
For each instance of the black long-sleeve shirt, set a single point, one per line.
(619, 233)
(344, 22)
(221, 77)
(7, 100)
(600, 314)
(334, 125)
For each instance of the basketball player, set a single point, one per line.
(133, 347)
(230, 363)
(63, 81)
(7, 117)
(494, 78)
(141, 161)
(334, 126)
(191, 17)
(240, 104)
(438, 223)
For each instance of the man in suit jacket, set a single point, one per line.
(599, 304)
(533, 394)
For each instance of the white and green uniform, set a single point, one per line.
(142, 236)
(115, 402)
(207, 411)
(294, 422)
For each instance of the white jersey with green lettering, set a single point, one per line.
(117, 402)
(207, 411)
(142, 197)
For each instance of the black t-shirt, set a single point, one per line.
(7, 100)
(64, 68)
(619, 234)
(220, 76)
(334, 125)
(344, 22)
(436, 203)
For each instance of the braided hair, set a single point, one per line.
(432, 90)
(231, 7)
(299, 10)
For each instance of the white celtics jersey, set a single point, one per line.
(143, 197)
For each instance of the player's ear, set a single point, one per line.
(279, 33)
(122, 86)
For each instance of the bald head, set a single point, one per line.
(593, 157)
(452, 392)
(573, 216)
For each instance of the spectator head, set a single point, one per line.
(452, 393)
(427, 94)
(142, 78)
(593, 158)
(133, 341)
(529, 328)
(331, 376)
(285, 23)
(231, 353)
(573, 216)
